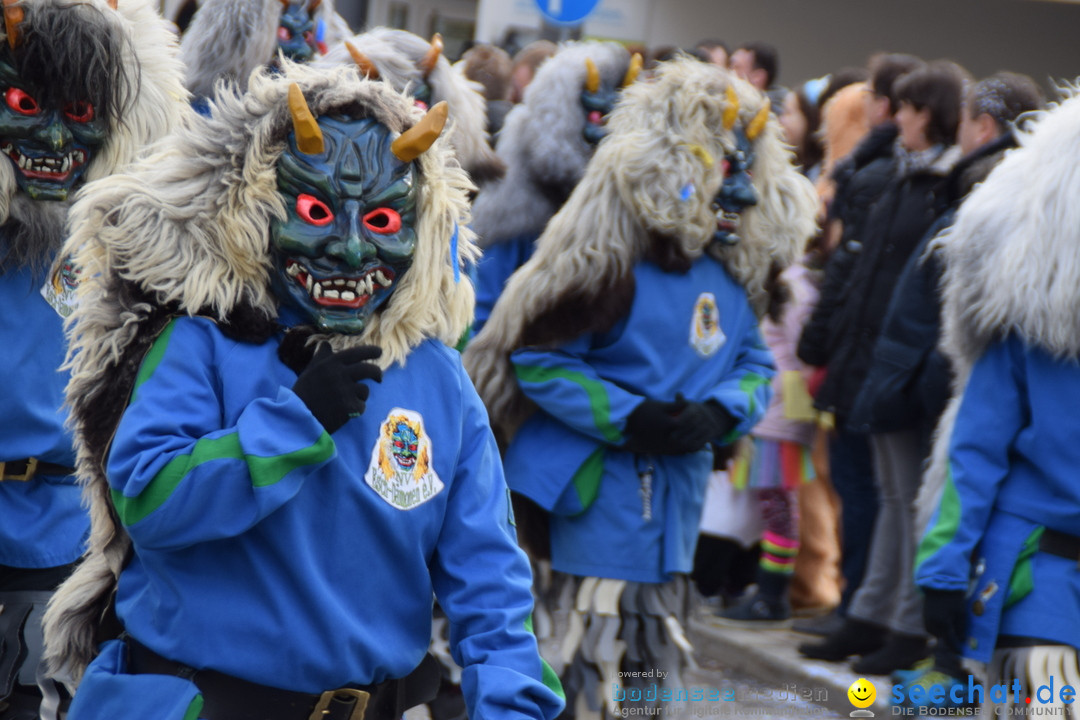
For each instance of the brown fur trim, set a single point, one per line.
(668, 254)
(581, 311)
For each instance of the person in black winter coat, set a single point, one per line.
(884, 619)
(907, 386)
(860, 179)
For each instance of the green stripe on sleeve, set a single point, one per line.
(598, 397)
(264, 471)
(945, 524)
(1022, 580)
(548, 676)
(194, 708)
(749, 383)
(153, 357)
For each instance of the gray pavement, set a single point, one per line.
(770, 657)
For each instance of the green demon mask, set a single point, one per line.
(350, 233)
(48, 144)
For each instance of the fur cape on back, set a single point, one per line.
(227, 40)
(542, 143)
(125, 62)
(398, 55)
(1012, 265)
(647, 193)
(186, 232)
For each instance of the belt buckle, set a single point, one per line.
(322, 708)
(31, 468)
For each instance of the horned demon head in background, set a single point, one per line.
(417, 66)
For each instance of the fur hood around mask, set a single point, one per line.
(1011, 265)
(398, 57)
(125, 62)
(542, 143)
(187, 231)
(646, 194)
(228, 40)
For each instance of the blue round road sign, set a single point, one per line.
(566, 12)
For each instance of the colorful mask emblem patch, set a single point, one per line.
(48, 146)
(401, 470)
(706, 337)
(296, 33)
(60, 289)
(349, 235)
(737, 191)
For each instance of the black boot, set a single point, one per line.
(767, 607)
(855, 637)
(899, 652)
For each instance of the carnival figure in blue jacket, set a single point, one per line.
(85, 85)
(998, 562)
(301, 464)
(629, 344)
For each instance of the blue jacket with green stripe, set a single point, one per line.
(269, 550)
(1012, 472)
(616, 514)
(42, 522)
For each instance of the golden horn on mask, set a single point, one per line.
(12, 17)
(112, 3)
(731, 108)
(592, 76)
(412, 143)
(309, 138)
(363, 62)
(314, 6)
(758, 123)
(427, 63)
(635, 68)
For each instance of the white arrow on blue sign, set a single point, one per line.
(566, 12)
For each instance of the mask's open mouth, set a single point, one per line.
(345, 291)
(727, 221)
(56, 168)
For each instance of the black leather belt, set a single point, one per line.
(1060, 544)
(226, 697)
(27, 468)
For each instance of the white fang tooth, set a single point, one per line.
(347, 296)
(331, 294)
(381, 278)
(310, 283)
(369, 285)
(316, 292)
(293, 270)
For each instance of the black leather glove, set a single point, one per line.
(945, 616)
(649, 426)
(676, 428)
(700, 424)
(330, 384)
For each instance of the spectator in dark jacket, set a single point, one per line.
(884, 619)
(859, 181)
(908, 381)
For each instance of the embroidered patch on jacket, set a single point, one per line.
(706, 337)
(59, 289)
(401, 469)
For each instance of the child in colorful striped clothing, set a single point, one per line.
(776, 461)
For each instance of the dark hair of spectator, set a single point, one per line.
(1004, 96)
(939, 87)
(533, 54)
(765, 58)
(885, 69)
(491, 67)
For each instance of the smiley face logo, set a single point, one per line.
(862, 693)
